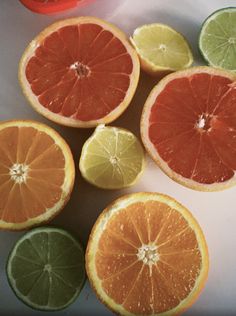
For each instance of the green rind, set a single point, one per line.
(11, 255)
(201, 32)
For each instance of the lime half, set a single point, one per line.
(161, 48)
(112, 158)
(46, 268)
(217, 40)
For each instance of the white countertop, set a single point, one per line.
(216, 212)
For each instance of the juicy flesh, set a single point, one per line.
(80, 71)
(192, 126)
(148, 258)
(31, 173)
(47, 269)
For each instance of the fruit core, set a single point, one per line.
(232, 40)
(162, 47)
(204, 122)
(48, 267)
(148, 254)
(81, 69)
(114, 160)
(19, 172)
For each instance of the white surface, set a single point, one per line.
(215, 211)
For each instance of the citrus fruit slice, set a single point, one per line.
(147, 255)
(49, 6)
(188, 126)
(161, 48)
(46, 268)
(80, 72)
(217, 40)
(36, 174)
(112, 158)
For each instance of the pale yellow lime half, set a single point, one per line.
(161, 48)
(112, 158)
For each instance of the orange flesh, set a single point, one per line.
(142, 288)
(45, 175)
(80, 71)
(192, 125)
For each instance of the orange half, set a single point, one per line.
(80, 72)
(36, 174)
(147, 255)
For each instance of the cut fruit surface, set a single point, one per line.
(188, 126)
(112, 158)
(46, 268)
(80, 72)
(147, 255)
(161, 48)
(36, 174)
(50, 6)
(217, 39)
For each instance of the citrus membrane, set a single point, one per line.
(217, 40)
(147, 255)
(112, 158)
(80, 72)
(161, 48)
(188, 126)
(46, 268)
(36, 174)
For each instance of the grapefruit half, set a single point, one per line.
(80, 72)
(188, 126)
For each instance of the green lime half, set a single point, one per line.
(217, 40)
(46, 268)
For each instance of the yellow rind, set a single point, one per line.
(83, 156)
(156, 70)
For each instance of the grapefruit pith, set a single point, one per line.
(188, 126)
(80, 72)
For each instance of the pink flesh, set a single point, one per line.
(80, 71)
(193, 127)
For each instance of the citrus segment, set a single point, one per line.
(147, 239)
(217, 39)
(188, 127)
(36, 173)
(161, 48)
(80, 72)
(112, 158)
(46, 268)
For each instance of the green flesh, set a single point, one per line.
(46, 268)
(217, 40)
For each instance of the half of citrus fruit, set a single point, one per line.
(217, 39)
(147, 255)
(161, 48)
(46, 268)
(80, 72)
(49, 6)
(36, 174)
(112, 158)
(188, 126)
